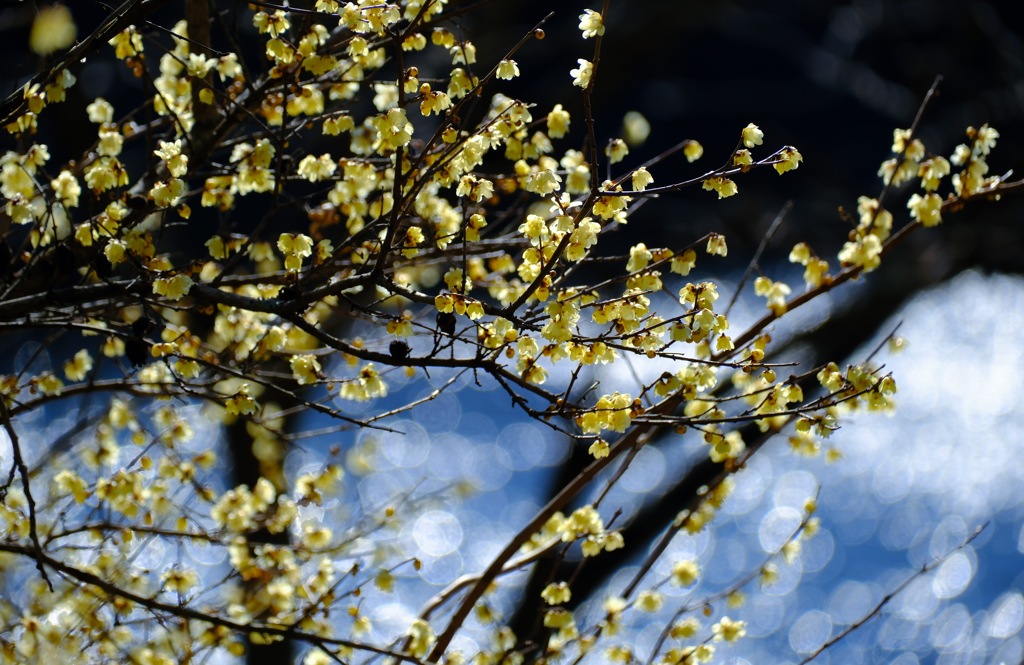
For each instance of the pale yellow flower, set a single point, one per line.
(752, 135)
(581, 75)
(591, 23)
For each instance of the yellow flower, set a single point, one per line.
(800, 253)
(775, 292)
(581, 75)
(474, 309)
(682, 264)
(460, 83)
(241, 402)
(305, 368)
(100, 111)
(273, 24)
(198, 65)
(866, 253)
(582, 238)
(463, 53)
(926, 209)
(444, 303)
(692, 150)
(556, 593)
(591, 23)
(52, 30)
(614, 605)
(913, 151)
(78, 367)
(338, 124)
(558, 122)
(393, 129)
(558, 618)
(728, 630)
(56, 90)
(542, 182)
(442, 37)
(616, 150)
(173, 288)
(752, 135)
(66, 189)
(70, 483)
(984, 138)
(433, 101)
(723, 186)
(635, 128)
(421, 637)
(308, 101)
(170, 153)
(717, 246)
(317, 538)
(507, 70)
(684, 573)
(48, 383)
(297, 244)
(179, 580)
(477, 189)
(127, 43)
(932, 171)
(599, 449)
(364, 387)
(167, 194)
(816, 272)
(683, 629)
(114, 251)
(315, 169)
(649, 601)
(729, 446)
(228, 67)
(476, 222)
(789, 159)
(110, 142)
(105, 173)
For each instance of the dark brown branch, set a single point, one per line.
(23, 473)
(186, 612)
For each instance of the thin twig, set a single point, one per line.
(776, 223)
(19, 463)
(925, 569)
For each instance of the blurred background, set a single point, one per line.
(833, 79)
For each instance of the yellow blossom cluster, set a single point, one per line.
(613, 412)
(405, 218)
(585, 524)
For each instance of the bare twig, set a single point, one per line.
(924, 570)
